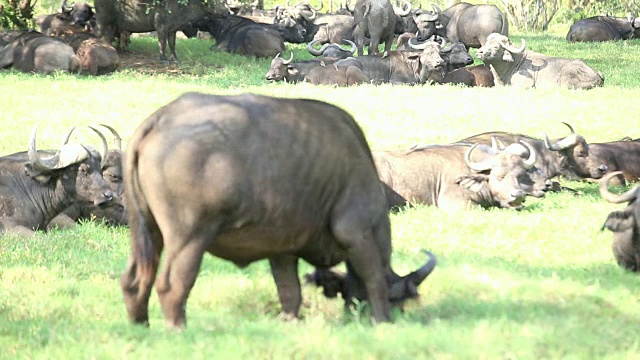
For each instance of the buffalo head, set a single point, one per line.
(577, 159)
(624, 224)
(498, 48)
(456, 56)
(501, 177)
(76, 166)
(540, 182)
(427, 22)
(427, 65)
(281, 69)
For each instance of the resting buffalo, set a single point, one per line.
(604, 28)
(97, 57)
(243, 36)
(165, 17)
(402, 67)
(469, 24)
(446, 176)
(37, 186)
(36, 52)
(243, 195)
(321, 71)
(517, 67)
(623, 156)
(378, 19)
(624, 224)
(569, 156)
(113, 213)
(70, 15)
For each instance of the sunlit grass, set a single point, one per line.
(539, 283)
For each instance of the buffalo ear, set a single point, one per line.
(507, 56)
(292, 70)
(619, 221)
(475, 183)
(439, 25)
(36, 175)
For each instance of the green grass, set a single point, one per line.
(539, 283)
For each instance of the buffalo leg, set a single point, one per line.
(369, 252)
(285, 273)
(177, 277)
(171, 38)
(162, 43)
(136, 288)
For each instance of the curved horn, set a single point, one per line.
(477, 166)
(315, 8)
(41, 165)
(353, 45)
(407, 286)
(530, 162)
(436, 9)
(105, 147)
(515, 50)
(403, 11)
(346, 5)
(567, 142)
(443, 44)
(629, 195)
(287, 62)
(66, 138)
(414, 44)
(315, 52)
(116, 136)
(309, 17)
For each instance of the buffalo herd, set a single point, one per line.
(240, 202)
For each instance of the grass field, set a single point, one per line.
(538, 283)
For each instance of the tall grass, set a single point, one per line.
(539, 283)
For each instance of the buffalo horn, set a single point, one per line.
(286, 62)
(531, 160)
(67, 155)
(315, 52)
(569, 141)
(477, 166)
(629, 195)
(105, 147)
(444, 44)
(353, 45)
(436, 9)
(42, 165)
(66, 138)
(346, 5)
(309, 17)
(407, 286)
(403, 11)
(515, 50)
(116, 136)
(414, 44)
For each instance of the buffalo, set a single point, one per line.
(242, 36)
(604, 28)
(469, 24)
(35, 52)
(446, 176)
(515, 66)
(624, 224)
(378, 19)
(245, 196)
(402, 67)
(321, 71)
(623, 156)
(98, 57)
(37, 186)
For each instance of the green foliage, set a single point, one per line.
(538, 283)
(16, 15)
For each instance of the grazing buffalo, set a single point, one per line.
(37, 186)
(623, 156)
(378, 19)
(332, 50)
(243, 195)
(624, 224)
(402, 67)
(35, 52)
(568, 156)
(514, 66)
(604, 28)
(242, 36)
(447, 177)
(165, 17)
(469, 24)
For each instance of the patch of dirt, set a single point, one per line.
(147, 64)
